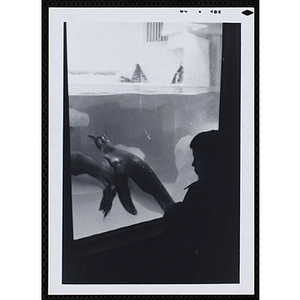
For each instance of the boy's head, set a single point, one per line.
(206, 147)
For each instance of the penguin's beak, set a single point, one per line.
(96, 141)
(92, 137)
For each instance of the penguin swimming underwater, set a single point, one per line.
(84, 164)
(128, 165)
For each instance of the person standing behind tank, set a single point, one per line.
(202, 231)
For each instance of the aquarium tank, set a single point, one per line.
(149, 88)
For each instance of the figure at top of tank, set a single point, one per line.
(138, 75)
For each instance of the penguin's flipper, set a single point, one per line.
(174, 79)
(121, 182)
(107, 199)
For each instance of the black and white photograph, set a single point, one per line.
(151, 151)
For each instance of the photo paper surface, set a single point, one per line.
(129, 89)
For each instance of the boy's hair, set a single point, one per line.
(207, 142)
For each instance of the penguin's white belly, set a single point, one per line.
(144, 199)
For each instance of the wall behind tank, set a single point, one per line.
(98, 47)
